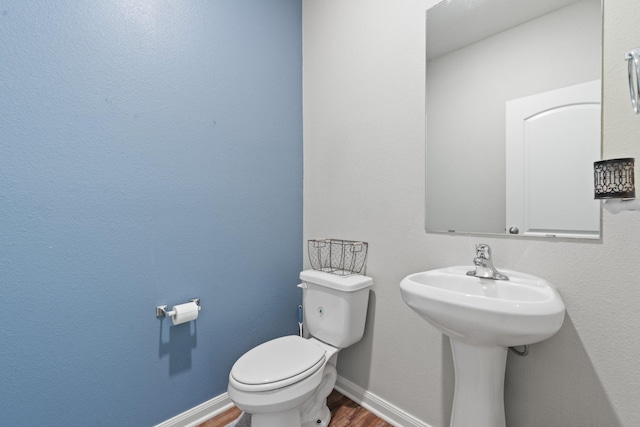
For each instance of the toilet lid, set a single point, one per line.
(278, 360)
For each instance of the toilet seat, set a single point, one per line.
(276, 364)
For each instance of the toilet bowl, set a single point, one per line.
(274, 380)
(285, 382)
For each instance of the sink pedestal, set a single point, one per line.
(479, 386)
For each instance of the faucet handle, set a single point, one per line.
(483, 251)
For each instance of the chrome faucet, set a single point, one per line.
(484, 264)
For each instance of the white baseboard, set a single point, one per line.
(383, 409)
(200, 413)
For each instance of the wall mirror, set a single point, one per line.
(513, 117)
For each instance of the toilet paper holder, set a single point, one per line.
(161, 310)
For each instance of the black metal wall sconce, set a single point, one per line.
(614, 184)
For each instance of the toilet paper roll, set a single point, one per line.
(185, 313)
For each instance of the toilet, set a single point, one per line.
(285, 382)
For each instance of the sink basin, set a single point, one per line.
(519, 311)
(483, 317)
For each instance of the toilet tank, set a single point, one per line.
(335, 307)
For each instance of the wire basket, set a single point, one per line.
(341, 257)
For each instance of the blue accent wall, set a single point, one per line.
(150, 152)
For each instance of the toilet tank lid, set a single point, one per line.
(342, 283)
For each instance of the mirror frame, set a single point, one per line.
(593, 237)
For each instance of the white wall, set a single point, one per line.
(364, 179)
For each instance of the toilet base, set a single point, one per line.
(315, 413)
(277, 419)
(321, 420)
(312, 413)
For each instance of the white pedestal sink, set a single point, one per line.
(483, 317)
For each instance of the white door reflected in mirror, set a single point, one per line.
(553, 139)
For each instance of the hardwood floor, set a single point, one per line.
(344, 412)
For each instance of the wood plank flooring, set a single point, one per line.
(344, 412)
